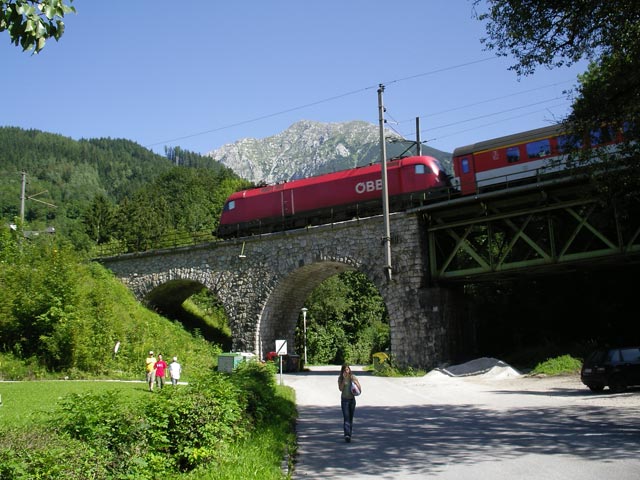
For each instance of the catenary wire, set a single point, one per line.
(457, 132)
(325, 100)
(487, 115)
(488, 100)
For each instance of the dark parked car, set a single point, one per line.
(616, 368)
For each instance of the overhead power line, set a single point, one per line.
(440, 70)
(487, 115)
(457, 132)
(325, 100)
(488, 100)
(263, 117)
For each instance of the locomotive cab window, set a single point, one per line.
(230, 205)
(464, 165)
(513, 154)
(422, 169)
(539, 148)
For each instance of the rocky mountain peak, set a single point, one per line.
(307, 148)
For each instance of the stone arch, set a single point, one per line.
(279, 316)
(167, 300)
(173, 292)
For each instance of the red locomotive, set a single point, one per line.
(491, 164)
(332, 197)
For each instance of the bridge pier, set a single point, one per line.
(428, 334)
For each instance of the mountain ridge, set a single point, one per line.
(309, 148)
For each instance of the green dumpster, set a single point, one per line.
(227, 362)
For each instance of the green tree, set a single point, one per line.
(552, 33)
(557, 33)
(40, 288)
(348, 320)
(31, 23)
(142, 221)
(99, 219)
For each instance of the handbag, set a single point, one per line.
(354, 389)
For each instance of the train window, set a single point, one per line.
(420, 169)
(567, 143)
(601, 135)
(464, 165)
(513, 154)
(230, 205)
(539, 148)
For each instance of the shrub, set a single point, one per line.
(176, 429)
(380, 362)
(558, 365)
(257, 385)
(41, 453)
(13, 368)
(109, 433)
(107, 423)
(192, 424)
(384, 366)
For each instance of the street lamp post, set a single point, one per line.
(304, 329)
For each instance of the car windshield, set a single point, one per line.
(597, 357)
(630, 355)
(613, 356)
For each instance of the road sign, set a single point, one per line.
(281, 347)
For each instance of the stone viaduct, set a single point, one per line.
(263, 282)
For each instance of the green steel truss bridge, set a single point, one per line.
(544, 228)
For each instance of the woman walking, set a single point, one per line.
(349, 386)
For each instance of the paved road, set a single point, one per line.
(476, 427)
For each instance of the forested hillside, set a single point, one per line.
(62, 314)
(98, 191)
(114, 196)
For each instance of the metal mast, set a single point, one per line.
(385, 189)
(22, 198)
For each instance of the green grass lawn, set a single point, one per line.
(25, 403)
(259, 456)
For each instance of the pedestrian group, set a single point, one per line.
(158, 370)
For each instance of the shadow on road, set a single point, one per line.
(425, 439)
(569, 392)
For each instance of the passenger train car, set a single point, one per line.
(488, 165)
(520, 158)
(331, 197)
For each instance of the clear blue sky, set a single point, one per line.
(202, 73)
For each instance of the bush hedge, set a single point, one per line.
(174, 430)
